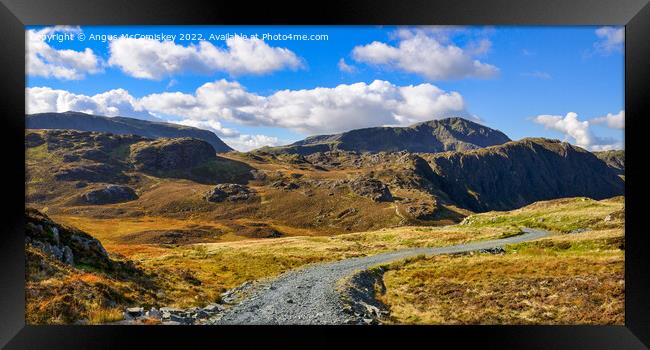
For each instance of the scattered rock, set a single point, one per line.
(496, 250)
(229, 192)
(371, 188)
(154, 313)
(109, 195)
(285, 185)
(135, 312)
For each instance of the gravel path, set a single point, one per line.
(308, 295)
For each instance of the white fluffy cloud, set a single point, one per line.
(610, 39)
(232, 137)
(246, 143)
(578, 131)
(212, 125)
(117, 102)
(153, 59)
(312, 111)
(45, 61)
(428, 53)
(344, 67)
(614, 121)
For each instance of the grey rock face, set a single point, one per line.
(110, 194)
(229, 192)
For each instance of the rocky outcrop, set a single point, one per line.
(518, 173)
(109, 195)
(615, 160)
(170, 154)
(66, 244)
(450, 134)
(371, 188)
(229, 192)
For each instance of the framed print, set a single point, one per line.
(375, 170)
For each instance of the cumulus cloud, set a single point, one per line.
(246, 143)
(614, 121)
(212, 125)
(312, 111)
(577, 131)
(429, 53)
(344, 67)
(117, 102)
(43, 60)
(152, 59)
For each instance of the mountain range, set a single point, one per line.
(121, 126)
(358, 180)
(450, 134)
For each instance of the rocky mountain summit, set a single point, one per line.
(450, 134)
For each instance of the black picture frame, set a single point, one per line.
(634, 14)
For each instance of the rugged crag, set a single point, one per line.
(522, 172)
(65, 244)
(450, 134)
(615, 160)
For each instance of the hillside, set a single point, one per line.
(518, 173)
(450, 134)
(181, 224)
(121, 125)
(615, 160)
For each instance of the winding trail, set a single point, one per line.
(308, 295)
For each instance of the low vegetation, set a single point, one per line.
(569, 278)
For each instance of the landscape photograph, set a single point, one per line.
(324, 175)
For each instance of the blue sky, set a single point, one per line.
(557, 82)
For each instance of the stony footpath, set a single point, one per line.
(340, 292)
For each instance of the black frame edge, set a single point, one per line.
(12, 85)
(637, 104)
(528, 12)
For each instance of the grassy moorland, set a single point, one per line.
(569, 278)
(170, 246)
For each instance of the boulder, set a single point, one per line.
(229, 192)
(285, 185)
(135, 312)
(109, 195)
(371, 188)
